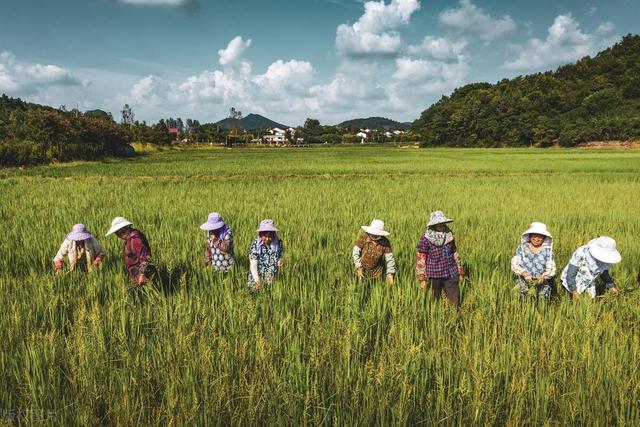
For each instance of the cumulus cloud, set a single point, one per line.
(290, 77)
(439, 48)
(233, 51)
(24, 78)
(565, 42)
(472, 20)
(375, 31)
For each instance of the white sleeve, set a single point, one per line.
(253, 267)
(355, 253)
(63, 251)
(391, 263)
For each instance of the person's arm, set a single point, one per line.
(223, 243)
(608, 281)
(280, 253)
(97, 251)
(550, 268)
(516, 263)
(421, 267)
(391, 263)
(253, 267)
(207, 254)
(58, 260)
(137, 252)
(456, 257)
(570, 278)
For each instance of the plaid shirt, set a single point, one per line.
(436, 261)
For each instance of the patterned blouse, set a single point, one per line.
(373, 256)
(537, 264)
(267, 258)
(219, 253)
(588, 270)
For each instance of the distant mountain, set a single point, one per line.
(374, 123)
(594, 99)
(252, 122)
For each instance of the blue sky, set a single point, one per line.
(327, 59)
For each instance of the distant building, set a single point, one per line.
(174, 131)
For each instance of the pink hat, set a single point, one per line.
(214, 222)
(267, 225)
(78, 232)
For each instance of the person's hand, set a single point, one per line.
(97, 262)
(280, 263)
(540, 280)
(461, 273)
(359, 273)
(257, 286)
(527, 276)
(389, 279)
(614, 290)
(576, 294)
(141, 279)
(423, 284)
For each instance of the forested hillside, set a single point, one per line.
(592, 100)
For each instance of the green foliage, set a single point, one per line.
(594, 99)
(316, 347)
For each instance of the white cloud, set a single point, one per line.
(439, 48)
(428, 76)
(374, 32)
(286, 77)
(24, 78)
(234, 50)
(565, 43)
(472, 20)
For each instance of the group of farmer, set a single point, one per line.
(437, 261)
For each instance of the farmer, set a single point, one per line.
(589, 262)
(82, 249)
(218, 251)
(534, 263)
(265, 255)
(437, 260)
(137, 253)
(372, 255)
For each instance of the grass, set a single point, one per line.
(315, 347)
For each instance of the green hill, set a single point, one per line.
(595, 99)
(252, 122)
(374, 123)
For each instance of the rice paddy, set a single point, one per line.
(317, 347)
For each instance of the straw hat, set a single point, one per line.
(604, 249)
(267, 225)
(79, 232)
(117, 224)
(538, 228)
(376, 228)
(437, 217)
(214, 222)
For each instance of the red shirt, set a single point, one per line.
(137, 253)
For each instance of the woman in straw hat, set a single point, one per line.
(534, 263)
(137, 253)
(438, 260)
(218, 251)
(372, 254)
(589, 262)
(265, 255)
(82, 249)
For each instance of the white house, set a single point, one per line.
(362, 136)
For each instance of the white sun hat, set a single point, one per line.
(437, 217)
(376, 228)
(604, 249)
(538, 228)
(117, 224)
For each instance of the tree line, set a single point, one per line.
(595, 99)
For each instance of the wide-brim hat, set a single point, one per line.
(79, 232)
(537, 228)
(604, 249)
(437, 217)
(214, 222)
(118, 223)
(267, 225)
(376, 228)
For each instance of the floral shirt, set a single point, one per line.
(588, 270)
(219, 253)
(79, 256)
(537, 264)
(266, 259)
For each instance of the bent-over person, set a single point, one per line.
(136, 251)
(372, 254)
(81, 248)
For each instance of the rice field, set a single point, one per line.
(316, 347)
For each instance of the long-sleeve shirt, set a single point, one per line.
(264, 261)
(137, 254)
(437, 261)
(581, 272)
(79, 255)
(537, 264)
(218, 253)
(373, 256)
